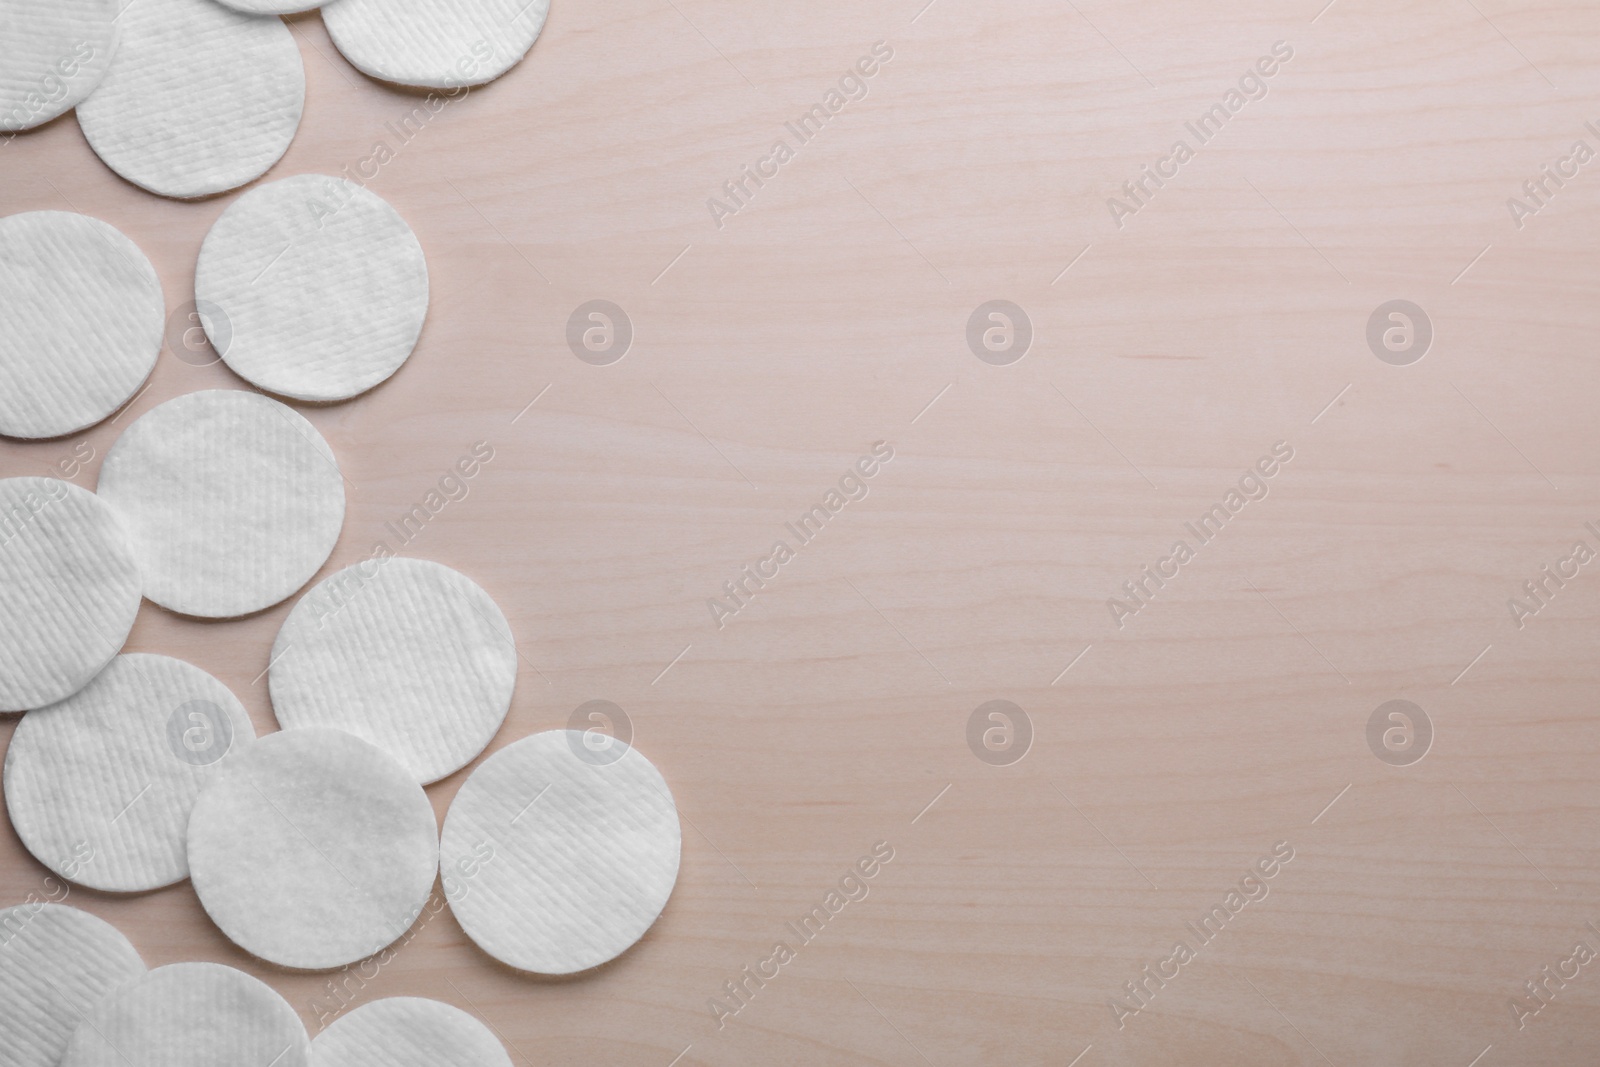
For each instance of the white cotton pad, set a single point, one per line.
(199, 99)
(56, 964)
(69, 589)
(407, 654)
(81, 323)
(313, 849)
(119, 763)
(271, 7)
(232, 501)
(191, 1015)
(571, 857)
(407, 1032)
(322, 285)
(435, 44)
(52, 55)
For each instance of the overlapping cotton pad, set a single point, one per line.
(573, 858)
(313, 849)
(407, 1032)
(408, 654)
(191, 1015)
(119, 763)
(436, 44)
(322, 284)
(232, 501)
(56, 965)
(52, 55)
(69, 590)
(81, 322)
(199, 99)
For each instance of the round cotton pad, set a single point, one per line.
(81, 324)
(435, 44)
(313, 849)
(572, 858)
(407, 1032)
(323, 286)
(410, 655)
(56, 964)
(52, 55)
(191, 1015)
(199, 99)
(70, 590)
(232, 501)
(119, 763)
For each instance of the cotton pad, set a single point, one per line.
(52, 55)
(407, 1032)
(232, 501)
(436, 44)
(408, 654)
(119, 763)
(191, 1015)
(313, 849)
(270, 7)
(81, 324)
(199, 99)
(56, 964)
(69, 589)
(572, 859)
(322, 283)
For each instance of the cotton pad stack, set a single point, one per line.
(314, 847)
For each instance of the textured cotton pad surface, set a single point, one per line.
(270, 7)
(56, 964)
(232, 501)
(199, 99)
(407, 1032)
(573, 856)
(313, 849)
(436, 44)
(321, 284)
(119, 763)
(81, 323)
(69, 589)
(191, 1015)
(52, 55)
(405, 653)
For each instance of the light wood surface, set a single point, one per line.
(1227, 315)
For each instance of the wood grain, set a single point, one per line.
(1226, 315)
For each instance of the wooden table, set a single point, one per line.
(1176, 341)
